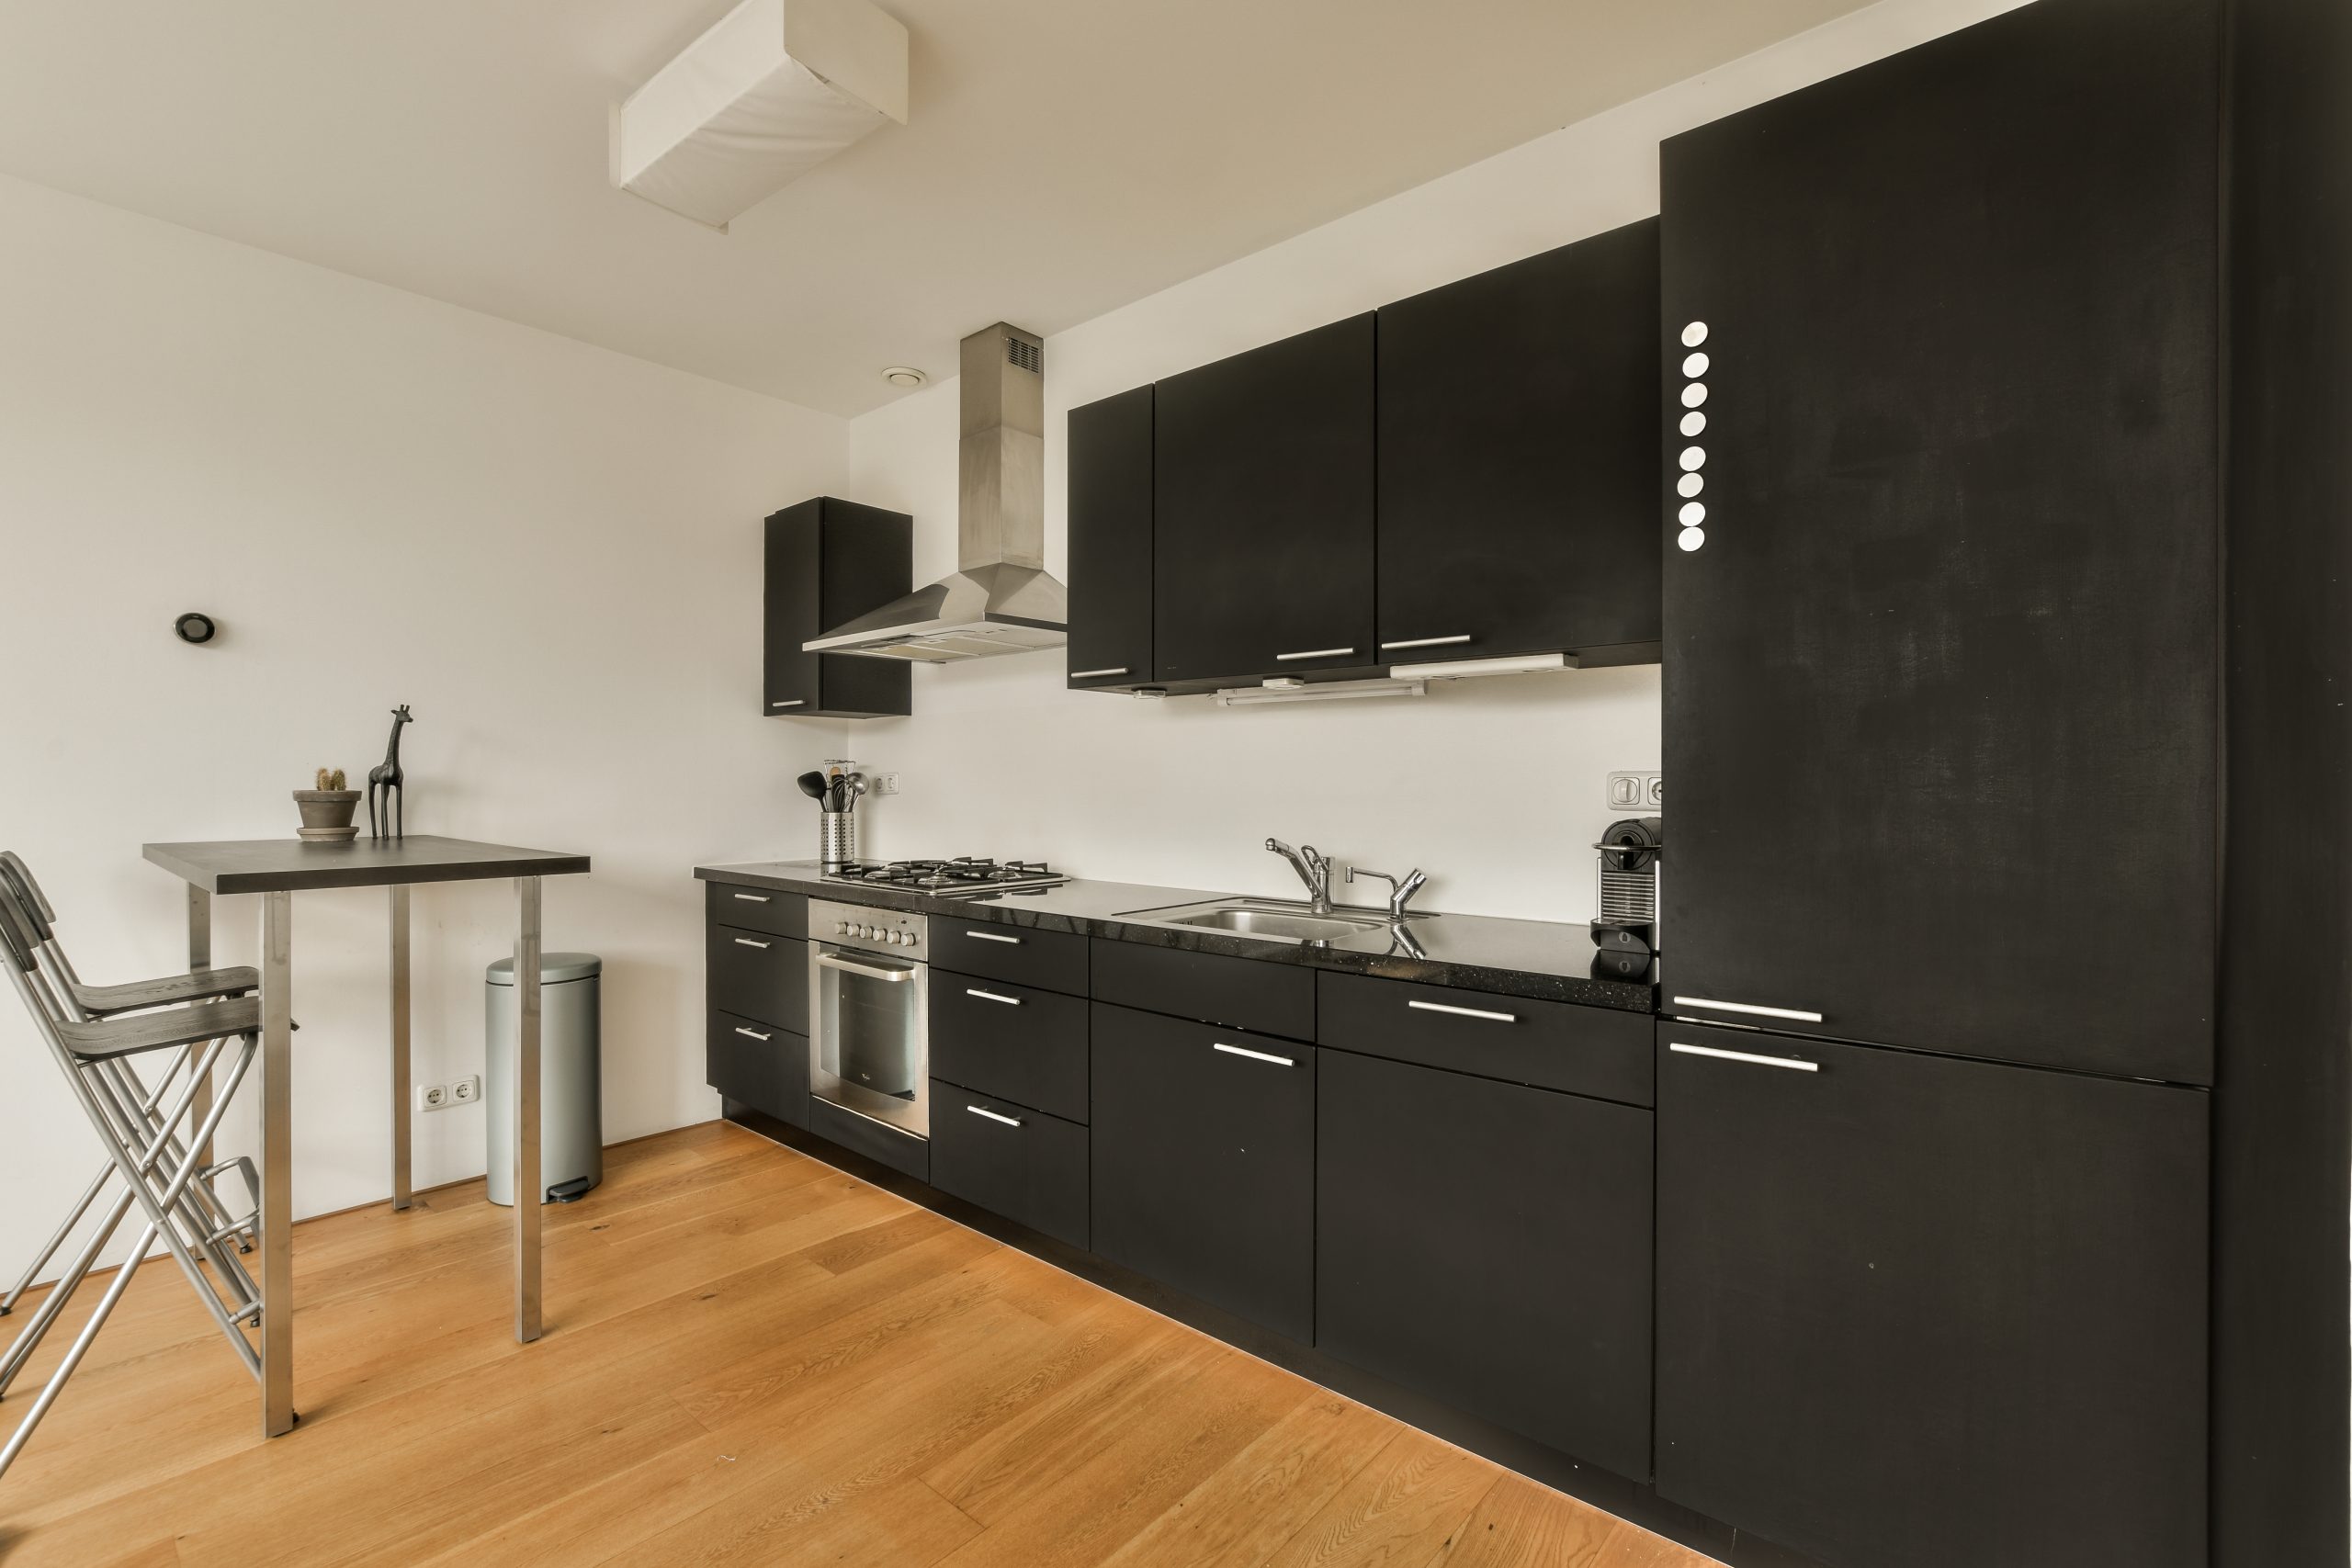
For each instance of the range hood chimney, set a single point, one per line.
(1001, 599)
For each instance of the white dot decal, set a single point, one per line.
(1692, 513)
(1694, 334)
(1693, 422)
(1693, 460)
(1694, 394)
(1695, 366)
(1690, 484)
(1692, 538)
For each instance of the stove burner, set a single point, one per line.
(963, 873)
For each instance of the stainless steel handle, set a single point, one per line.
(1466, 1012)
(752, 1034)
(1253, 1055)
(1791, 1013)
(992, 936)
(992, 996)
(1429, 641)
(790, 703)
(1008, 1120)
(1091, 674)
(747, 942)
(1792, 1064)
(753, 897)
(1315, 653)
(895, 977)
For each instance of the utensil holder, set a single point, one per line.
(836, 839)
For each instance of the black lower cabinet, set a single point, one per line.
(1489, 1245)
(1203, 1163)
(1011, 1160)
(1916, 1312)
(761, 1065)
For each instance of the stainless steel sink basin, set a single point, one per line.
(1267, 918)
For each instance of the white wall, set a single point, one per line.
(550, 551)
(1495, 787)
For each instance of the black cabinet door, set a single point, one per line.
(1110, 541)
(759, 1065)
(1941, 674)
(1489, 1244)
(1203, 1163)
(829, 562)
(1914, 1312)
(1262, 510)
(1518, 484)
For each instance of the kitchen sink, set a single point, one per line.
(1271, 919)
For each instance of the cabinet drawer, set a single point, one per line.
(760, 1064)
(1017, 1040)
(1557, 1046)
(755, 908)
(1011, 1160)
(1203, 1151)
(1054, 960)
(760, 976)
(901, 1151)
(1245, 993)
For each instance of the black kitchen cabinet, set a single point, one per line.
(1011, 1160)
(1262, 542)
(1916, 1312)
(1940, 685)
(756, 1064)
(1489, 1244)
(1110, 541)
(830, 561)
(1518, 486)
(1203, 1163)
(757, 975)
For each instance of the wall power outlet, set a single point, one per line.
(1645, 793)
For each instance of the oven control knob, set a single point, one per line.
(841, 927)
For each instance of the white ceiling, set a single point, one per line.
(1063, 156)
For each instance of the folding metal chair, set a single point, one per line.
(83, 1001)
(140, 1132)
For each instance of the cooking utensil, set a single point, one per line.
(812, 784)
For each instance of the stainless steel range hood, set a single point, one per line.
(1002, 600)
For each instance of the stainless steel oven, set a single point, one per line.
(869, 1014)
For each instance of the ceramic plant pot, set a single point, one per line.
(326, 814)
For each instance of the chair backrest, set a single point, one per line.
(31, 903)
(19, 936)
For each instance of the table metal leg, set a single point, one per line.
(200, 956)
(529, 1188)
(401, 1092)
(277, 1164)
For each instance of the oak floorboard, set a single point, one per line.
(753, 1359)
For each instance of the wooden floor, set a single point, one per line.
(750, 1359)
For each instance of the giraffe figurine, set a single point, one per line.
(386, 778)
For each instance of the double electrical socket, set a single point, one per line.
(1637, 792)
(441, 1096)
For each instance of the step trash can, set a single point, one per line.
(572, 1107)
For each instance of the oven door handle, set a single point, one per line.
(894, 976)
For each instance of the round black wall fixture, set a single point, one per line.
(195, 626)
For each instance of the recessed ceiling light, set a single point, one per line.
(904, 376)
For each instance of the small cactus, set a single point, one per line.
(331, 778)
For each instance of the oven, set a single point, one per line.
(869, 1014)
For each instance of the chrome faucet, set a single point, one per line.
(1313, 870)
(1399, 893)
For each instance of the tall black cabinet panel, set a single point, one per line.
(1518, 491)
(830, 561)
(1914, 1312)
(1263, 532)
(1489, 1244)
(1940, 676)
(1110, 541)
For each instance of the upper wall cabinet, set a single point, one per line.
(1518, 472)
(1110, 541)
(1262, 529)
(829, 562)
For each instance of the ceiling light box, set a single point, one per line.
(776, 88)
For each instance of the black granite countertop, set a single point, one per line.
(1540, 959)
